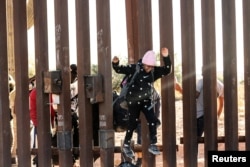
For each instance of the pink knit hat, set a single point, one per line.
(149, 58)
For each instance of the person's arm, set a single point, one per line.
(178, 87)
(115, 63)
(52, 111)
(197, 94)
(122, 69)
(220, 96)
(160, 71)
(167, 61)
(221, 105)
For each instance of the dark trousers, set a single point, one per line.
(200, 129)
(200, 126)
(34, 136)
(134, 110)
(138, 130)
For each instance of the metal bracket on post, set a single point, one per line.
(52, 82)
(64, 140)
(94, 88)
(106, 139)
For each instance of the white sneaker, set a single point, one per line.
(154, 149)
(128, 152)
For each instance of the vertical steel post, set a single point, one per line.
(84, 66)
(167, 85)
(106, 131)
(22, 82)
(5, 132)
(209, 76)
(132, 31)
(230, 74)
(189, 82)
(246, 26)
(145, 43)
(139, 36)
(10, 38)
(11, 68)
(43, 107)
(64, 141)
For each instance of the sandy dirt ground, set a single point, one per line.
(179, 133)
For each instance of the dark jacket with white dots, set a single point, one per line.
(141, 88)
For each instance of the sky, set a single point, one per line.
(118, 31)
